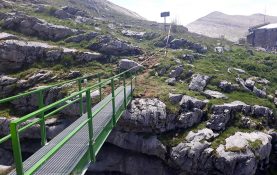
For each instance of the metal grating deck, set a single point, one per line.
(66, 158)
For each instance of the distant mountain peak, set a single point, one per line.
(232, 27)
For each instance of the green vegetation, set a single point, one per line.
(255, 144)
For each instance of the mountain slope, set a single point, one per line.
(232, 27)
(98, 8)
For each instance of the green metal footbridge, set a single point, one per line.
(71, 151)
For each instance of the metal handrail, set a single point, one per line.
(15, 131)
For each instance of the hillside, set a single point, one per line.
(232, 27)
(206, 106)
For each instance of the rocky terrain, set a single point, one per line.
(208, 107)
(232, 27)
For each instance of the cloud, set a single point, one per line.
(186, 11)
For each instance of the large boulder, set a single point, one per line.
(198, 82)
(194, 155)
(125, 64)
(134, 34)
(243, 153)
(218, 122)
(175, 73)
(259, 92)
(138, 143)
(35, 27)
(188, 103)
(145, 115)
(177, 43)
(189, 119)
(228, 86)
(214, 94)
(111, 46)
(7, 85)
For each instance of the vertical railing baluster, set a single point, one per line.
(81, 97)
(42, 119)
(113, 101)
(124, 86)
(131, 86)
(16, 148)
(100, 86)
(90, 126)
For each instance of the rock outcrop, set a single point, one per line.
(36, 27)
(244, 153)
(17, 54)
(194, 155)
(198, 82)
(82, 37)
(125, 64)
(111, 46)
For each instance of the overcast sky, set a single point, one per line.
(186, 11)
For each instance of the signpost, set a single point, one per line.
(164, 15)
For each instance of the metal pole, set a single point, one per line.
(81, 97)
(90, 126)
(124, 85)
(42, 119)
(113, 102)
(165, 24)
(16, 149)
(100, 86)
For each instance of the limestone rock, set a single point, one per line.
(198, 82)
(7, 85)
(175, 98)
(259, 92)
(145, 115)
(194, 155)
(82, 37)
(7, 36)
(125, 64)
(188, 103)
(261, 111)
(176, 72)
(171, 81)
(189, 119)
(111, 46)
(33, 26)
(138, 143)
(228, 86)
(218, 122)
(74, 74)
(239, 154)
(134, 34)
(214, 94)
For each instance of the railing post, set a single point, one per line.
(81, 97)
(90, 126)
(131, 86)
(113, 101)
(16, 149)
(100, 86)
(42, 119)
(124, 86)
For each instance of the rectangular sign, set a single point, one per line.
(165, 14)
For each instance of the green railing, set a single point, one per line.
(39, 92)
(94, 144)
